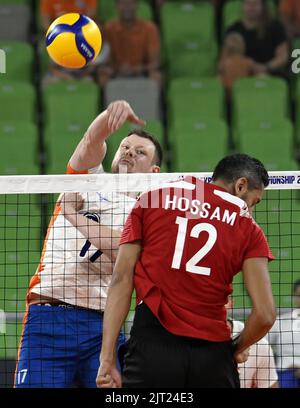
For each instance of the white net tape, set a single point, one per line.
(282, 180)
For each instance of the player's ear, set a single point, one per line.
(241, 187)
(155, 169)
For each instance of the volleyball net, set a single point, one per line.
(27, 204)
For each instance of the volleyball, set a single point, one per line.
(73, 40)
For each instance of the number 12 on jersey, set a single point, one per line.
(191, 265)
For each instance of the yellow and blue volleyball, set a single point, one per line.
(73, 40)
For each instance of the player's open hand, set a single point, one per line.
(108, 376)
(70, 203)
(119, 112)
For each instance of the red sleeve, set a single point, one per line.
(258, 246)
(133, 226)
(70, 170)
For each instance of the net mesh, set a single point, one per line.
(26, 208)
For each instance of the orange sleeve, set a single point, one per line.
(286, 8)
(46, 7)
(70, 170)
(153, 42)
(93, 3)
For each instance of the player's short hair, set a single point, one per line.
(295, 285)
(158, 149)
(235, 166)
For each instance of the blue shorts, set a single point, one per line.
(60, 347)
(287, 379)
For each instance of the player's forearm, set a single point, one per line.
(91, 150)
(101, 236)
(116, 311)
(256, 326)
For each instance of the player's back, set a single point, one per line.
(194, 242)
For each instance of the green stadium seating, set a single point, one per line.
(19, 146)
(198, 146)
(17, 101)
(10, 2)
(186, 19)
(260, 98)
(297, 100)
(20, 243)
(265, 139)
(195, 99)
(19, 268)
(9, 341)
(61, 141)
(193, 61)
(107, 10)
(279, 216)
(232, 12)
(71, 102)
(19, 60)
(188, 36)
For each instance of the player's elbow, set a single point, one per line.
(266, 316)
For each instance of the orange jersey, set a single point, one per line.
(71, 269)
(135, 46)
(55, 8)
(291, 10)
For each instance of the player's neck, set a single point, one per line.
(220, 183)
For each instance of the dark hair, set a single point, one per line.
(158, 148)
(265, 18)
(235, 166)
(295, 285)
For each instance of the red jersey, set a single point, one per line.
(193, 243)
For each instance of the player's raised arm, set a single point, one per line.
(91, 150)
(263, 313)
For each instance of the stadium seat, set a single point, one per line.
(108, 11)
(20, 221)
(297, 99)
(9, 341)
(15, 282)
(232, 12)
(17, 101)
(186, 20)
(71, 102)
(198, 146)
(61, 141)
(260, 98)
(14, 21)
(19, 147)
(153, 127)
(240, 296)
(188, 30)
(143, 94)
(20, 244)
(194, 99)
(9, 2)
(193, 61)
(264, 139)
(19, 60)
(279, 216)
